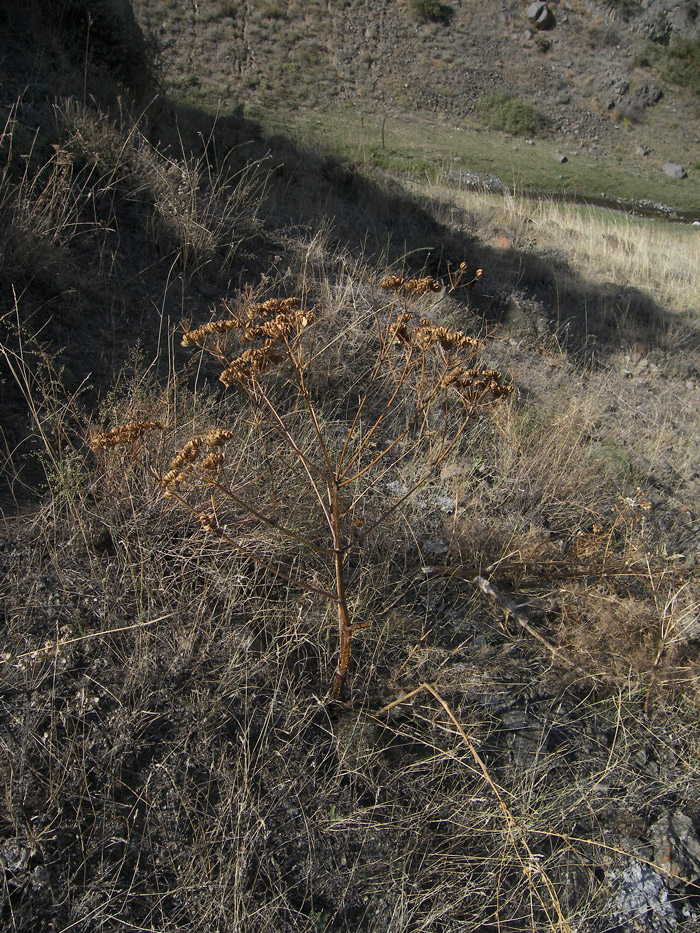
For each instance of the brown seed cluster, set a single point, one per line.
(474, 383)
(252, 361)
(415, 287)
(183, 463)
(274, 306)
(197, 337)
(281, 308)
(279, 327)
(124, 434)
(209, 523)
(427, 335)
(273, 322)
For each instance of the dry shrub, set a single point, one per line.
(315, 470)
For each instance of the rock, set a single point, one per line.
(676, 845)
(675, 171)
(641, 899)
(646, 96)
(480, 181)
(540, 14)
(560, 157)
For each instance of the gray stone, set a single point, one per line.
(641, 899)
(481, 181)
(676, 845)
(540, 14)
(646, 95)
(675, 171)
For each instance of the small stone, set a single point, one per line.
(675, 171)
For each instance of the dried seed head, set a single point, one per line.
(415, 287)
(124, 434)
(249, 364)
(217, 437)
(187, 455)
(278, 328)
(427, 335)
(198, 336)
(401, 331)
(422, 286)
(171, 481)
(212, 462)
(474, 383)
(273, 306)
(392, 283)
(209, 523)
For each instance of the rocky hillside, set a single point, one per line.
(596, 72)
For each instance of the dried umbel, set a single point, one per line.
(181, 466)
(475, 383)
(124, 434)
(198, 336)
(283, 315)
(416, 287)
(250, 364)
(275, 322)
(427, 335)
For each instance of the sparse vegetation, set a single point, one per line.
(683, 64)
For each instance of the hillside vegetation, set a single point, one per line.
(611, 86)
(264, 408)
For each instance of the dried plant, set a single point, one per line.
(328, 467)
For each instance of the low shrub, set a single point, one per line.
(427, 11)
(506, 112)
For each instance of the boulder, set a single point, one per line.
(540, 14)
(675, 171)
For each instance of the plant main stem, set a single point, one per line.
(344, 626)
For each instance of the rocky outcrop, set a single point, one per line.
(478, 181)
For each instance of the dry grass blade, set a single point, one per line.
(529, 863)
